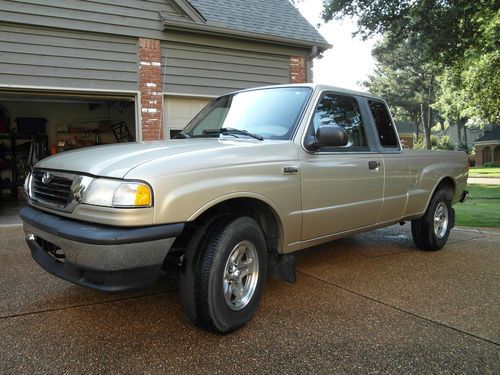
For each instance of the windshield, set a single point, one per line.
(265, 113)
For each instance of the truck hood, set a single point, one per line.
(118, 159)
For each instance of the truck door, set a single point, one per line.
(395, 164)
(342, 187)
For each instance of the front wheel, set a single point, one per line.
(223, 277)
(432, 230)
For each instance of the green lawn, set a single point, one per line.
(482, 209)
(485, 172)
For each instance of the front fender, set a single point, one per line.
(183, 198)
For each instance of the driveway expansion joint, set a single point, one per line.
(63, 308)
(400, 309)
(387, 254)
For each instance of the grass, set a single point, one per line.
(485, 172)
(482, 209)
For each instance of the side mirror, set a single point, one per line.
(326, 136)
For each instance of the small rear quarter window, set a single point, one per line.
(385, 127)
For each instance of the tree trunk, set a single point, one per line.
(426, 113)
(428, 138)
(459, 132)
(417, 126)
(464, 126)
(425, 110)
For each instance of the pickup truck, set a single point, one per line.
(257, 175)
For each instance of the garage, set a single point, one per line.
(36, 124)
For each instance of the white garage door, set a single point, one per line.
(179, 111)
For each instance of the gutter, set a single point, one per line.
(314, 53)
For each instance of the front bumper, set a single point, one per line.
(102, 257)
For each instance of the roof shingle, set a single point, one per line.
(492, 135)
(272, 17)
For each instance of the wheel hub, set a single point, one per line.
(441, 220)
(241, 275)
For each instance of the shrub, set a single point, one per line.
(463, 147)
(437, 143)
(491, 164)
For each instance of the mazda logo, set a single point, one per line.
(46, 178)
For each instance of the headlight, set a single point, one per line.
(116, 193)
(132, 194)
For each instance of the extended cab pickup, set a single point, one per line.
(255, 176)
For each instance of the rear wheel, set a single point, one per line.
(431, 231)
(224, 273)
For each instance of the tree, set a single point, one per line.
(469, 86)
(407, 81)
(458, 36)
(452, 103)
(447, 28)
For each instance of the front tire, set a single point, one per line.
(224, 273)
(432, 230)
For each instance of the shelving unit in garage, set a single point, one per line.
(14, 161)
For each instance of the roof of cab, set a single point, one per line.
(319, 87)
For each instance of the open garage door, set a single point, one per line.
(35, 124)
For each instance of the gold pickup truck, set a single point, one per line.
(255, 176)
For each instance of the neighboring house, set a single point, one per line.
(152, 64)
(471, 135)
(488, 147)
(406, 133)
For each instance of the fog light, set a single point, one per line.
(30, 237)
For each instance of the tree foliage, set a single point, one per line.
(469, 84)
(406, 79)
(441, 53)
(447, 28)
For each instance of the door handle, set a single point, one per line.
(373, 164)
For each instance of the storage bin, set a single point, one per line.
(31, 125)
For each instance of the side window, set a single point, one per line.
(343, 111)
(385, 127)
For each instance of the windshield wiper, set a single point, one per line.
(228, 131)
(182, 135)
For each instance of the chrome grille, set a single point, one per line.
(51, 188)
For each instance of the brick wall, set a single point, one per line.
(298, 69)
(479, 155)
(406, 141)
(150, 87)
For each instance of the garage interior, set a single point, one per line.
(34, 125)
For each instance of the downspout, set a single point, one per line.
(309, 63)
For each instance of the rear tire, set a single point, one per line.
(223, 274)
(432, 230)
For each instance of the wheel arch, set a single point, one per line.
(259, 208)
(446, 183)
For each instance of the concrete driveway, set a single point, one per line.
(369, 303)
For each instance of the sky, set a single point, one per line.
(349, 62)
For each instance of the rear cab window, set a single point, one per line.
(387, 134)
